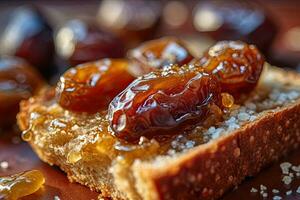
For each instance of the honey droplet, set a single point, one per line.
(26, 135)
(20, 185)
(227, 100)
(74, 156)
(106, 145)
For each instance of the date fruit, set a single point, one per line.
(236, 20)
(28, 35)
(236, 65)
(79, 42)
(18, 81)
(156, 54)
(91, 86)
(133, 21)
(163, 101)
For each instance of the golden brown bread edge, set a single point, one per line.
(208, 170)
(213, 168)
(80, 172)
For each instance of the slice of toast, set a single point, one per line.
(200, 165)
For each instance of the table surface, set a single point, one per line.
(20, 157)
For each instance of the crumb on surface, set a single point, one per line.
(56, 198)
(275, 191)
(285, 167)
(298, 190)
(262, 187)
(287, 180)
(288, 171)
(4, 165)
(253, 190)
(264, 195)
(289, 192)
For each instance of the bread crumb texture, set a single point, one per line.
(204, 162)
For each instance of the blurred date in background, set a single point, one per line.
(41, 39)
(52, 36)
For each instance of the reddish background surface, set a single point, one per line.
(20, 156)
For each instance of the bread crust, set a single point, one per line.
(206, 171)
(211, 169)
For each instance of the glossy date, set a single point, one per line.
(156, 54)
(91, 86)
(236, 65)
(162, 101)
(18, 81)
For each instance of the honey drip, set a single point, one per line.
(21, 184)
(26, 135)
(227, 100)
(74, 156)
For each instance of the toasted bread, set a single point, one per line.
(264, 128)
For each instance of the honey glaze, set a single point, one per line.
(91, 86)
(21, 184)
(182, 141)
(82, 137)
(167, 109)
(26, 135)
(159, 53)
(163, 103)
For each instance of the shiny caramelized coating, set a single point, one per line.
(160, 102)
(227, 100)
(19, 185)
(156, 54)
(18, 81)
(237, 65)
(91, 86)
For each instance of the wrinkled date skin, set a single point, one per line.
(18, 81)
(236, 65)
(162, 101)
(91, 86)
(156, 54)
